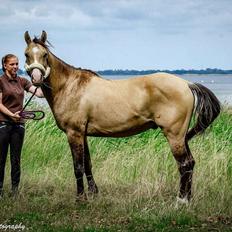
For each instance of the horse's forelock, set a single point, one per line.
(45, 45)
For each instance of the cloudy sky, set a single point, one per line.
(124, 34)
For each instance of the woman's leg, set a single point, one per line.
(4, 143)
(16, 143)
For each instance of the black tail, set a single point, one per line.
(207, 108)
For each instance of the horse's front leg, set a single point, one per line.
(76, 143)
(88, 169)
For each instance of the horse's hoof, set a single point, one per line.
(181, 202)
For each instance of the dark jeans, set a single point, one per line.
(11, 135)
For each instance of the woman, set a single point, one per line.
(11, 124)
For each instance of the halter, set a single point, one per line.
(46, 71)
(33, 113)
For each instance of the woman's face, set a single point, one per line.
(11, 66)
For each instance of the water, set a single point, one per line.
(220, 84)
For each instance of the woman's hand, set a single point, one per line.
(38, 93)
(16, 117)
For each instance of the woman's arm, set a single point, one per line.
(38, 93)
(4, 110)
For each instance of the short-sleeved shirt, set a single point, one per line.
(13, 94)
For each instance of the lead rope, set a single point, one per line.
(33, 113)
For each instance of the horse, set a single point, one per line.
(85, 104)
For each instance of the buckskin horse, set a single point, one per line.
(84, 104)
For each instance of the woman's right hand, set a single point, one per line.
(16, 117)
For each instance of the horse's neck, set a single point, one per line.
(60, 71)
(59, 77)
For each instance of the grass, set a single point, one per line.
(137, 178)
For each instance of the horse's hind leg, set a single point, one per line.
(186, 169)
(185, 162)
(92, 187)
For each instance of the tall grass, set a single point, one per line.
(137, 178)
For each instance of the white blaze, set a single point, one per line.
(35, 50)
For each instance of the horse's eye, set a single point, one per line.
(26, 55)
(45, 55)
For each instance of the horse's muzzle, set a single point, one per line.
(36, 76)
(37, 72)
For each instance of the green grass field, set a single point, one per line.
(137, 178)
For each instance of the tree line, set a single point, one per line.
(178, 71)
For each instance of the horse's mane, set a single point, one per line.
(47, 45)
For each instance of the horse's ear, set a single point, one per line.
(43, 37)
(27, 37)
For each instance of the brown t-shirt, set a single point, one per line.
(13, 94)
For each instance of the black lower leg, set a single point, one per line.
(78, 162)
(79, 172)
(186, 172)
(92, 187)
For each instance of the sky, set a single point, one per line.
(123, 34)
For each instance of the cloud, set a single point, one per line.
(124, 33)
(160, 16)
(164, 16)
(46, 13)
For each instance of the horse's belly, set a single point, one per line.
(119, 131)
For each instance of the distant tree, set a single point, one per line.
(178, 71)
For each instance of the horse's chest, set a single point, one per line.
(66, 110)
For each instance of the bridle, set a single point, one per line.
(39, 66)
(33, 114)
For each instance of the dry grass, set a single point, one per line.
(137, 178)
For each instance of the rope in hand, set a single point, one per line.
(33, 114)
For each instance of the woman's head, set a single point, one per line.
(10, 64)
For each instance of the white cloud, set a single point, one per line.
(124, 33)
(164, 16)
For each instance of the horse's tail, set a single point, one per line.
(207, 108)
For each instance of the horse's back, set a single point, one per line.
(163, 90)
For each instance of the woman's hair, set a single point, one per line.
(6, 58)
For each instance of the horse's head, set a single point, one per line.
(36, 54)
